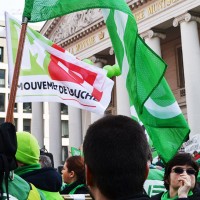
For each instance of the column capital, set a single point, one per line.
(152, 34)
(186, 17)
(95, 59)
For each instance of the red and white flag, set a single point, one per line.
(51, 74)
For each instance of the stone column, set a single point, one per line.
(122, 98)
(75, 128)
(95, 117)
(86, 121)
(191, 62)
(123, 105)
(55, 139)
(20, 119)
(37, 124)
(98, 62)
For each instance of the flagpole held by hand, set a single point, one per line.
(13, 91)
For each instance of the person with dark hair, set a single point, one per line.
(160, 165)
(74, 176)
(180, 179)
(196, 155)
(116, 150)
(47, 179)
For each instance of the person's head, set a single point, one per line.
(74, 170)
(178, 165)
(45, 161)
(195, 153)
(28, 150)
(116, 151)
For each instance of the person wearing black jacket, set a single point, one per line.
(116, 152)
(180, 179)
(47, 180)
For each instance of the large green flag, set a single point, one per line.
(150, 96)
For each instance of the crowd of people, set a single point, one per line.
(117, 162)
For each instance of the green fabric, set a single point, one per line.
(17, 188)
(155, 174)
(27, 168)
(20, 189)
(41, 10)
(165, 196)
(151, 99)
(198, 177)
(42, 196)
(77, 187)
(198, 162)
(75, 151)
(63, 186)
(28, 150)
(51, 195)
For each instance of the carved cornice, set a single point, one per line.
(70, 28)
(77, 36)
(186, 17)
(76, 23)
(151, 34)
(52, 26)
(135, 4)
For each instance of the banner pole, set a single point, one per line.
(13, 91)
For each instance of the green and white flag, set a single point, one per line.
(75, 151)
(150, 95)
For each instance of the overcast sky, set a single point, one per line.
(13, 7)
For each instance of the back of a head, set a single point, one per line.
(45, 161)
(28, 150)
(179, 159)
(116, 152)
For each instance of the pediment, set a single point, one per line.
(75, 23)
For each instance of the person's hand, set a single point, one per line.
(185, 185)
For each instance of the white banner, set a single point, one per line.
(192, 144)
(51, 74)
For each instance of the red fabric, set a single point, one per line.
(197, 156)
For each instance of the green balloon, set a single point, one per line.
(88, 61)
(112, 70)
(117, 70)
(109, 70)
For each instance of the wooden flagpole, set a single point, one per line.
(13, 91)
